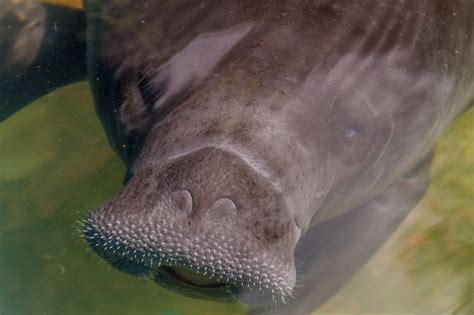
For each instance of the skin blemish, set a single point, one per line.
(350, 133)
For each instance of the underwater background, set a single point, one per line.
(56, 165)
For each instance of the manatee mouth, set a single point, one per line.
(192, 278)
(193, 284)
(224, 277)
(179, 279)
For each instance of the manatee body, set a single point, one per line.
(256, 133)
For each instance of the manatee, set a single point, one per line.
(271, 146)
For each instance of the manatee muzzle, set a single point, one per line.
(207, 224)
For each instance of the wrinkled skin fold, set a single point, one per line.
(256, 134)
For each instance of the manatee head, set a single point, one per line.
(205, 223)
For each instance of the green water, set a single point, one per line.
(56, 165)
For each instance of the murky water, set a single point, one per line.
(56, 165)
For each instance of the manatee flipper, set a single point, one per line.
(331, 252)
(42, 47)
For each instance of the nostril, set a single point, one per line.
(182, 200)
(223, 207)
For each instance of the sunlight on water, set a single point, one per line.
(56, 165)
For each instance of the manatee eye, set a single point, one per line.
(147, 92)
(152, 86)
(138, 96)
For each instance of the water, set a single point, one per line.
(56, 165)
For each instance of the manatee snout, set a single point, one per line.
(206, 223)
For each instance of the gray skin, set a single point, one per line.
(272, 146)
